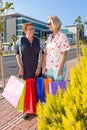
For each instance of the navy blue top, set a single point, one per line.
(30, 55)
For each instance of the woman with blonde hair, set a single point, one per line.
(56, 51)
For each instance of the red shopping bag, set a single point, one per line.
(13, 90)
(30, 97)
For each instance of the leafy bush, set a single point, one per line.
(67, 110)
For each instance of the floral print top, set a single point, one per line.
(55, 49)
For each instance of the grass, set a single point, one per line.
(8, 53)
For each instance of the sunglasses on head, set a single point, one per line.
(48, 23)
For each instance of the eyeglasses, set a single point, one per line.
(48, 23)
(30, 29)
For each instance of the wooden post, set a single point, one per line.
(2, 63)
(77, 42)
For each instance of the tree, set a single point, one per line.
(79, 33)
(13, 40)
(78, 20)
(43, 39)
(3, 10)
(10, 46)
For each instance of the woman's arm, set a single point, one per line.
(62, 62)
(44, 63)
(40, 61)
(39, 67)
(19, 62)
(64, 49)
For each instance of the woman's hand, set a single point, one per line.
(60, 72)
(44, 70)
(38, 70)
(21, 70)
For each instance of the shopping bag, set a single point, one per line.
(30, 97)
(13, 90)
(53, 86)
(46, 85)
(40, 90)
(20, 106)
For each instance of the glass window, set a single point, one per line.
(20, 21)
(19, 27)
(19, 33)
(40, 26)
(24, 21)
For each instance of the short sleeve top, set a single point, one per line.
(55, 49)
(30, 52)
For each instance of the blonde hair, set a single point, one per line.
(55, 22)
(25, 25)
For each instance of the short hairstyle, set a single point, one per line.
(56, 22)
(25, 25)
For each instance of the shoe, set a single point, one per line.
(25, 116)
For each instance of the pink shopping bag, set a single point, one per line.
(13, 90)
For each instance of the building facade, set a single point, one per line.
(73, 29)
(13, 26)
(70, 35)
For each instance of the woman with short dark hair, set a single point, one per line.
(29, 54)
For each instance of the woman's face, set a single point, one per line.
(49, 24)
(30, 30)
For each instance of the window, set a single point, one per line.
(19, 33)
(19, 27)
(20, 21)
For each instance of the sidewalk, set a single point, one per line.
(10, 119)
(69, 65)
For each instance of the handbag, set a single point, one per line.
(30, 97)
(13, 90)
(53, 86)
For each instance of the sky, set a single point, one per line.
(66, 10)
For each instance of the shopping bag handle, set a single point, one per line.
(20, 76)
(44, 76)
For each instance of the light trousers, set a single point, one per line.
(54, 74)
